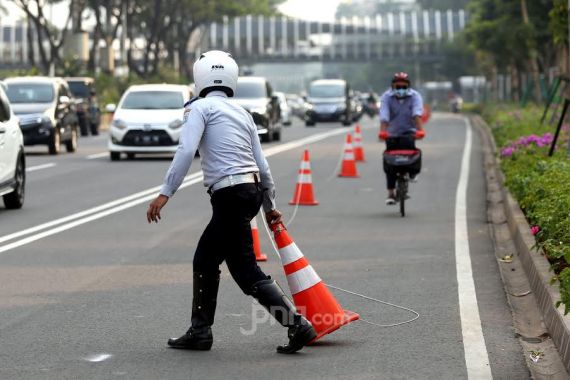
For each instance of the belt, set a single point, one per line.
(233, 180)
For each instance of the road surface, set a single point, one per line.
(89, 290)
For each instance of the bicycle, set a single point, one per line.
(403, 163)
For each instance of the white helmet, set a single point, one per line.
(217, 69)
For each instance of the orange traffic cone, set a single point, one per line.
(358, 150)
(304, 189)
(311, 296)
(256, 244)
(348, 168)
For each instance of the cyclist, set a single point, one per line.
(400, 118)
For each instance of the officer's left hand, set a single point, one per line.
(273, 217)
(153, 212)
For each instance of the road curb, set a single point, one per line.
(534, 262)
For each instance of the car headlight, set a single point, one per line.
(118, 123)
(259, 110)
(175, 124)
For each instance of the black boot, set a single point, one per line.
(199, 335)
(271, 296)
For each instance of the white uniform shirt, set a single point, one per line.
(226, 137)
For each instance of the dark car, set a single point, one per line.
(47, 114)
(329, 100)
(88, 112)
(256, 96)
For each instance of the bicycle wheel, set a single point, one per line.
(401, 193)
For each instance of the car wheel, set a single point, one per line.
(115, 156)
(15, 199)
(84, 128)
(71, 144)
(130, 156)
(54, 144)
(277, 136)
(287, 123)
(266, 138)
(309, 124)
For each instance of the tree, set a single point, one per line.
(45, 32)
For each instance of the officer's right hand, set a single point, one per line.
(273, 217)
(153, 212)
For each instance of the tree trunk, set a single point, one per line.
(533, 60)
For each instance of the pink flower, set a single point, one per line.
(507, 152)
(534, 230)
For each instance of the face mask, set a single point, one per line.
(400, 93)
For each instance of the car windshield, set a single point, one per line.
(79, 89)
(326, 91)
(250, 90)
(30, 93)
(153, 100)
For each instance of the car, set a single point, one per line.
(297, 104)
(148, 119)
(329, 100)
(46, 112)
(12, 158)
(85, 96)
(256, 96)
(285, 110)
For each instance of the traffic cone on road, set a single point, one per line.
(256, 244)
(311, 296)
(348, 168)
(304, 189)
(358, 150)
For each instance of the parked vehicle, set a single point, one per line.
(285, 110)
(297, 104)
(148, 119)
(329, 100)
(256, 96)
(12, 158)
(46, 111)
(85, 96)
(357, 107)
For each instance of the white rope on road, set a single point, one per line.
(416, 314)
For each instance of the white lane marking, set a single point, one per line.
(476, 356)
(87, 219)
(97, 155)
(93, 210)
(132, 200)
(40, 167)
(97, 358)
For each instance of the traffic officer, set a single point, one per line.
(239, 182)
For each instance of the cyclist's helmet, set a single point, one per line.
(401, 77)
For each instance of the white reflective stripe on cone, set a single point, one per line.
(290, 253)
(254, 223)
(349, 156)
(305, 165)
(305, 178)
(303, 279)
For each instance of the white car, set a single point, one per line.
(148, 119)
(12, 159)
(286, 112)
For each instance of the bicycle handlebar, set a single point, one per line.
(383, 135)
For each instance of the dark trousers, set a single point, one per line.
(228, 235)
(394, 143)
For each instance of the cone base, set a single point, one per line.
(349, 175)
(349, 316)
(304, 203)
(261, 257)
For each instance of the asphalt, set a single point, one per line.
(99, 300)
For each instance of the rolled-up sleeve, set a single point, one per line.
(385, 108)
(264, 171)
(417, 105)
(190, 136)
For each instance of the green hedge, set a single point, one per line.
(541, 184)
